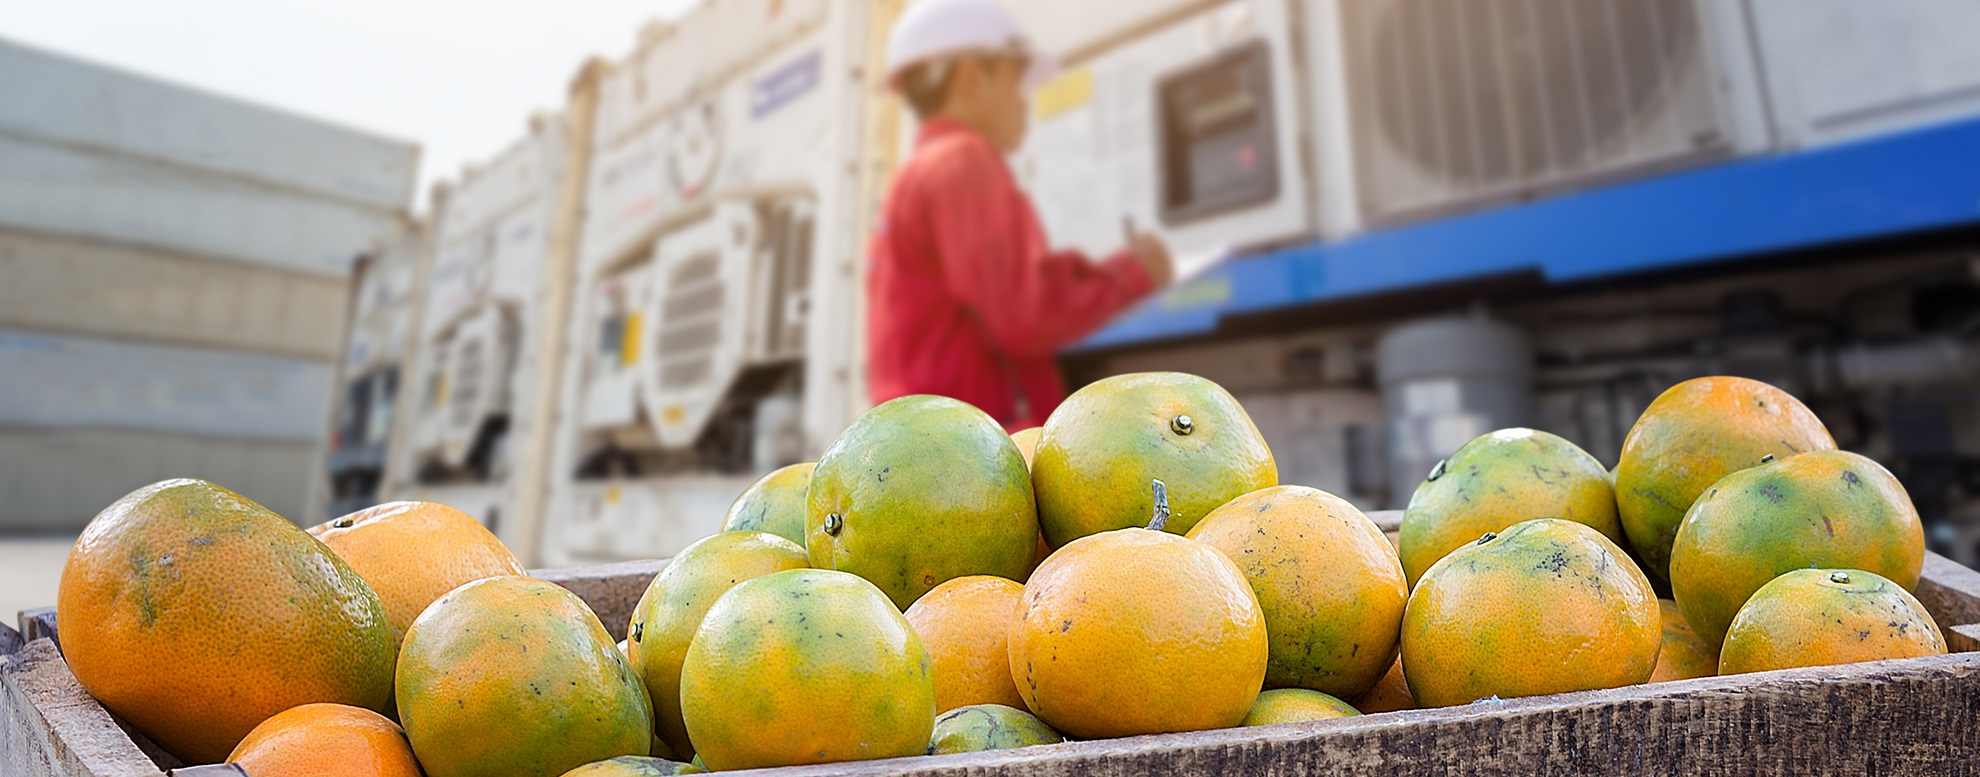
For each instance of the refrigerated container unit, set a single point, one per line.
(1644, 192)
(715, 318)
(386, 291)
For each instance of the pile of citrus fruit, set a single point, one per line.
(932, 585)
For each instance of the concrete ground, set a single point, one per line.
(30, 570)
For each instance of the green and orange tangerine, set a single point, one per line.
(806, 666)
(1101, 448)
(1499, 479)
(1822, 509)
(1824, 617)
(670, 611)
(1296, 705)
(1692, 435)
(1330, 586)
(1547, 606)
(774, 504)
(921, 490)
(516, 676)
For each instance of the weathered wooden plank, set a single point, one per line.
(612, 590)
(38, 623)
(52, 726)
(1949, 590)
(1915, 716)
(1964, 638)
(10, 640)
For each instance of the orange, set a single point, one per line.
(1026, 441)
(326, 740)
(634, 766)
(920, 490)
(516, 676)
(1500, 479)
(980, 727)
(670, 612)
(1548, 606)
(774, 504)
(1683, 655)
(1296, 705)
(1390, 693)
(802, 667)
(196, 614)
(412, 553)
(1330, 586)
(1822, 509)
(1138, 632)
(963, 623)
(1102, 449)
(1693, 434)
(1823, 617)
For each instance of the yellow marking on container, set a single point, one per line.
(1199, 293)
(673, 414)
(1070, 90)
(629, 340)
(611, 495)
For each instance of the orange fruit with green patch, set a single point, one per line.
(979, 727)
(1692, 435)
(802, 667)
(516, 676)
(1547, 606)
(412, 553)
(1296, 705)
(774, 504)
(1684, 655)
(964, 623)
(670, 611)
(1822, 509)
(634, 766)
(196, 614)
(1391, 693)
(1326, 579)
(1825, 617)
(1138, 632)
(1500, 479)
(326, 740)
(1100, 449)
(920, 490)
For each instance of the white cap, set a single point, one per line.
(933, 29)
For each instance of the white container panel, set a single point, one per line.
(57, 381)
(1839, 70)
(65, 190)
(56, 99)
(109, 290)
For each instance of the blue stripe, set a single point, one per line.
(1913, 181)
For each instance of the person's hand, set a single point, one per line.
(1153, 254)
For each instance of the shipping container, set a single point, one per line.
(86, 287)
(714, 333)
(479, 387)
(177, 269)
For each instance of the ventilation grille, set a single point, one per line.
(1455, 102)
(787, 234)
(469, 364)
(691, 322)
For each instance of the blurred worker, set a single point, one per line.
(965, 299)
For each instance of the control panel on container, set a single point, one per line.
(1218, 146)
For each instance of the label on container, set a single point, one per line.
(784, 85)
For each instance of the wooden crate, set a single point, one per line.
(1911, 716)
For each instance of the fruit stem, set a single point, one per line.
(1161, 519)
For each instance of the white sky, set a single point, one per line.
(460, 78)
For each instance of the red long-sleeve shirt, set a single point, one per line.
(963, 297)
